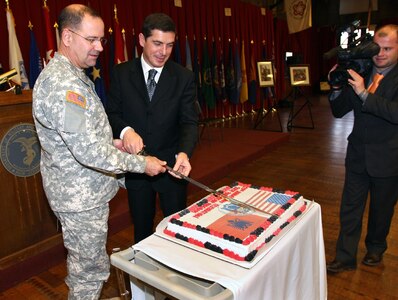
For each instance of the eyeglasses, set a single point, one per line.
(92, 40)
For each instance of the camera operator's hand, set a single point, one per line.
(331, 70)
(356, 82)
(333, 87)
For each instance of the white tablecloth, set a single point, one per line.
(295, 267)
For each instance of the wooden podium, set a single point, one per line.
(30, 236)
(28, 227)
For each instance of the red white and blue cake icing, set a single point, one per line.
(237, 232)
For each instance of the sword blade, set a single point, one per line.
(210, 190)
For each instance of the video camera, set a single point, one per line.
(357, 56)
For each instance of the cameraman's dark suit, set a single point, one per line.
(167, 125)
(371, 165)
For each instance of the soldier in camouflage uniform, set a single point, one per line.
(79, 157)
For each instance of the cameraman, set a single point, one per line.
(372, 155)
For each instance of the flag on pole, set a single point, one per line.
(50, 49)
(215, 72)
(35, 63)
(94, 73)
(15, 55)
(238, 73)
(134, 52)
(111, 51)
(196, 69)
(177, 52)
(56, 34)
(298, 15)
(126, 57)
(244, 96)
(118, 40)
(223, 95)
(207, 87)
(188, 60)
(230, 78)
(252, 78)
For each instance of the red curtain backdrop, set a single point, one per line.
(195, 19)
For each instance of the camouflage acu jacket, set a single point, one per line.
(78, 160)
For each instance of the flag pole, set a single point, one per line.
(253, 112)
(204, 76)
(369, 13)
(212, 82)
(222, 81)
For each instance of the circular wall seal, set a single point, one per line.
(20, 150)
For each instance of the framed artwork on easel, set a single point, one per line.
(265, 73)
(299, 75)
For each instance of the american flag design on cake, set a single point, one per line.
(267, 201)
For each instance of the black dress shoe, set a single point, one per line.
(337, 267)
(372, 259)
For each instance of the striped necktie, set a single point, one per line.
(151, 83)
(375, 83)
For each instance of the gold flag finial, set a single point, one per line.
(115, 11)
(30, 25)
(110, 30)
(56, 25)
(8, 4)
(45, 3)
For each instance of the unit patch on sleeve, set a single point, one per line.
(76, 98)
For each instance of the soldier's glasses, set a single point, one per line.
(91, 40)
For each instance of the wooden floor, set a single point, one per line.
(312, 163)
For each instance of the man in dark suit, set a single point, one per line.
(372, 154)
(163, 121)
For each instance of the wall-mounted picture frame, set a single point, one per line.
(265, 73)
(299, 75)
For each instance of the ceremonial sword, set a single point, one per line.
(210, 190)
(206, 188)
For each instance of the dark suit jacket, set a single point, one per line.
(373, 142)
(168, 124)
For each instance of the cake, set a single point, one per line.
(236, 231)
